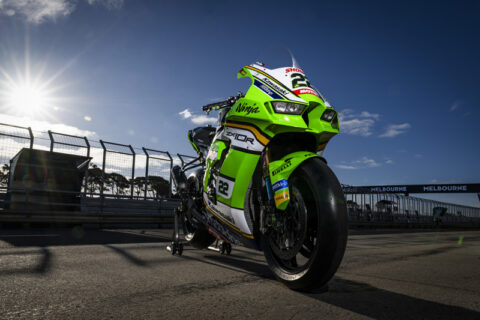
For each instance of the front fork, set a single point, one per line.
(267, 204)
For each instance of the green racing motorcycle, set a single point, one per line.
(260, 180)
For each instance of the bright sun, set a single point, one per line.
(27, 99)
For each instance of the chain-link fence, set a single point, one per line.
(12, 140)
(116, 171)
(158, 180)
(400, 209)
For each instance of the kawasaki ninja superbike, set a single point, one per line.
(261, 181)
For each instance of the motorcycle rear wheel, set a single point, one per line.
(306, 252)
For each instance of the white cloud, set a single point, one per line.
(455, 106)
(202, 119)
(346, 167)
(367, 162)
(109, 4)
(359, 125)
(38, 11)
(389, 161)
(361, 163)
(39, 125)
(394, 130)
(366, 114)
(197, 119)
(185, 114)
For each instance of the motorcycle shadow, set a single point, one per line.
(236, 263)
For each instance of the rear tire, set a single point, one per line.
(316, 232)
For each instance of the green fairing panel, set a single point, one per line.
(280, 171)
(240, 165)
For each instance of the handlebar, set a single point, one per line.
(222, 104)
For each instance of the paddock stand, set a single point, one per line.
(222, 247)
(176, 247)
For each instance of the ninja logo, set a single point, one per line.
(243, 107)
(239, 137)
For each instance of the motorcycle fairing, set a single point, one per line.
(249, 127)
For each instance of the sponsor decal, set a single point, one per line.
(282, 197)
(225, 187)
(239, 137)
(267, 90)
(275, 87)
(288, 70)
(220, 213)
(281, 168)
(305, 91)
(281, 184)
(243, 107)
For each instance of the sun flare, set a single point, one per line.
(27, 99)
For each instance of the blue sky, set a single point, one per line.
(404, 75)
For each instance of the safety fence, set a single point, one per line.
(116, 170)
(397, 209)
(128, 182)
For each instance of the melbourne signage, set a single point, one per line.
(416, 188)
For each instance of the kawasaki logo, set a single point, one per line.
(274, 86)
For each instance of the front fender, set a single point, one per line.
(280, 171)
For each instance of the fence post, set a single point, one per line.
(103, 173)
(52, 141)
(31, 137)
(146, 174)
(86, 171)
(133, 171)
(170, 175)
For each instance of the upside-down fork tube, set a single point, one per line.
(266, 174)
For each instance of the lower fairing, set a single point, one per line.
(221, 227)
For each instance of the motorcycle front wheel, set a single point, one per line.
(306, 247)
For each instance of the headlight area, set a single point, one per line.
(288, 107)
(330, 115)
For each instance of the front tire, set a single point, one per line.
(307, 250)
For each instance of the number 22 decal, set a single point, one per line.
(223, 187)
(299, 80)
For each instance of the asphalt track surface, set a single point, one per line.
(127, 274)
